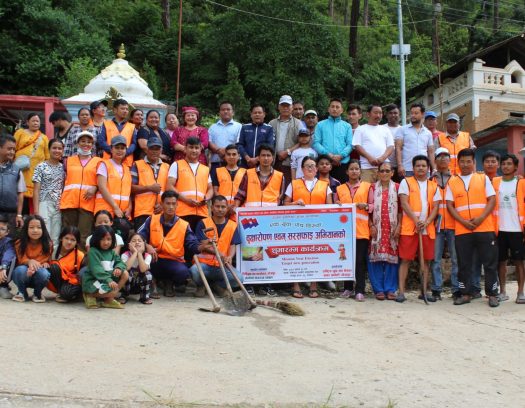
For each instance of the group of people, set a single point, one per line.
(112, 207)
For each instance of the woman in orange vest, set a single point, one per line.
(114, 182)
(385, 228)
(78, 197)
(355, 191)
(64, 271)
(307, 190)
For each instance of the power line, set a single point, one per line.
(304, 22)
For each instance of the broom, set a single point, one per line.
(286, 307)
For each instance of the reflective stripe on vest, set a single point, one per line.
(192, 186)
(470, 203)
(228, 187)
(79, 179)
(119, 188)
(408, 226)
(127, 131)
(316, 196)
(447, 221)
(223, 242)
(255, 197)
(462, 142)
(170, 246)
(360, 196)
(144, 203)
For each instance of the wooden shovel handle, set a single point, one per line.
(216, 307)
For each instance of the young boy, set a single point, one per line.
(324, 167)
(304, 140)
(7, 255)
(192, 183)
(226, 179)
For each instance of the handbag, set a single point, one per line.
(23, 162)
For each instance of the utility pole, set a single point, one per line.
(401, 63)
(178, 58)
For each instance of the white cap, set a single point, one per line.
(310, 112)
(286, 99)
(85, 133)
(441, 150)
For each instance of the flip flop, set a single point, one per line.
(380, 296)
(297, 294)
(520, 299)
(313, 294)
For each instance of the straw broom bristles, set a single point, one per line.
(286, 307)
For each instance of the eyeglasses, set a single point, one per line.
(384, 171)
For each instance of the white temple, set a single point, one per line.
(125, 79)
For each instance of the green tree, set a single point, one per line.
(149, 74)
(77, 75)
(233, 91)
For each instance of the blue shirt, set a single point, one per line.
(414, 143)
(103, 144)
(223, 135)
(201, 236)
(333, 135)
(191, 244)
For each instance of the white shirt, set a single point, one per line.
(489, 189)
(414, 142)
(403, 189)
(508, 215)
(310, 184)
(297, 158)
(393, 130)
(174, 170)
(374, 140)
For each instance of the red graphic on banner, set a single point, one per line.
(275, 251)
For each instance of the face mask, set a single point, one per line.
(82, 152)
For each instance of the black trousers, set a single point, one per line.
(361, 251)
(485, 245)
(65, 289)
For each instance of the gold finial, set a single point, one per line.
(121, 52)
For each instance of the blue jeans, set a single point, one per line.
(37, 281)
(437, 276)
(383, 277)
(213, 274)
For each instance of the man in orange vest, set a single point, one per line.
(454, 141)
(226, 236)
(262, 186)
(172, 239)
(119, 125)
(445, 228)
(226, 179)
(192, 182)
(419, 198)
(509, 215)
(471, 200)
(148, 182)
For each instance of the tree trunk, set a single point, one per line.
(346, 16)
(166, 20)
(366, 14)
(331, 9)
(434, 35)
(352, 47)
(495, 24)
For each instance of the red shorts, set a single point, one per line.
(409, 246)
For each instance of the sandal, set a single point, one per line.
(154, 294)
(60, 299)
(313, 294)
(112, 304)
(37, 299)
(90, 301)
(18, 298)
(520, 299)
(297, 294)
(146, 301)
(380, 296)
(391, 296)
(122, 300)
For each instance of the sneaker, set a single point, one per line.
(400, 298)
(250, 290)
(462, 300)
(359, 297)
(5, 293)
(200, 292)
(494, 301)
(18, 298)
(430, 297)
(270, 291)
(347, 294)
(436, 295)
(502, 297)
(37, 299)
(456, 295)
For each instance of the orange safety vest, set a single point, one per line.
(360, 196)
(79, 178)
(256, 197)
(462, 142)
(127, 131)
(223, 242)
(228, 187)
(520, 198)
(170, 246)
(447, 220)
(316, 196)
(119, 188)
(192, 186)
(470, 203)
(408, 226)
(144, 203)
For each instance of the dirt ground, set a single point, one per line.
(341, 353)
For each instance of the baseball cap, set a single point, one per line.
(119, 139)
(286, 99)
(85, 133)
(310, 112)
(441, 150)
(453, 116)
(303, 131)
(430, 114)
(154, 141)
(94, 105)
